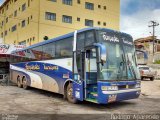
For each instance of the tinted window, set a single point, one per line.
(80, 41)
(89, 23)
(89, 6)
(144, 68)
(67, 19)
(67, 2)
(49, 51)
(37, 52)
(89, 38)
(64, 47)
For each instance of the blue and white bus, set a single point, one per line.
(92, 64)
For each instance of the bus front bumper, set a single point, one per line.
(105, 97)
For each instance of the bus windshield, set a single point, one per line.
(121, 62)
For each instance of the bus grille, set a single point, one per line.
(121, 87)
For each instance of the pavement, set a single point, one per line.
(14, 100)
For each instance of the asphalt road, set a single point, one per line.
(14, 100)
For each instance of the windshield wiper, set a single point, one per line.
(120, 71)
(131, 67)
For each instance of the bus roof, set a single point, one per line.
(68, 35)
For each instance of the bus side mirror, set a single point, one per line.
(103, 54)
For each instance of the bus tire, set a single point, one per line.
(69, 95)
(24, 81)
(142, 78)
(152, 79)
(19, 82)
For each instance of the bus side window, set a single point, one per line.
(89, 38)
(37, 52)
(80, 41)
(49, 51)
(64, 47)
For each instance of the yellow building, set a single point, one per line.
(31, 21)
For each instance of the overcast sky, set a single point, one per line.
(136, 14)
(135, 17)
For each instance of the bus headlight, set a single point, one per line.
(109, 88)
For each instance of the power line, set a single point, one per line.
(153, 25)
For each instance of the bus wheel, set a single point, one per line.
(19, 82)
(152, 79)
(70, 94)
(25, 86)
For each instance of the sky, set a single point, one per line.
(136, 16)
(1, 1)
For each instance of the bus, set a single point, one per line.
(142, 57)
(92, 64)
(5, 53)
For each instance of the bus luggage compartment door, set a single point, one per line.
(78, 90)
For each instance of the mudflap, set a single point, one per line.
(78, 90)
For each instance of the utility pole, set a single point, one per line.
(153, 25)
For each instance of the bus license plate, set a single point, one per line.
(112, 98)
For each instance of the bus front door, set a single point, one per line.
(78, 68)
(90, 74)
(85, 75)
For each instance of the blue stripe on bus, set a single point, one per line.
(25, 74)
(60, 74)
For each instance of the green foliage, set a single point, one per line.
(157, 62)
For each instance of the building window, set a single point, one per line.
(99, 6)
(24, 7)
(78, 19)
(15, 13)
(7, 7)
(5, 33)
(28, 3)
(104, 23)
(105, 7)
(2, 23)
(88, 22)
(15, 0)
(89, 6)
(23, 23)
(2, 11)
(78, 1)
(67, 2)
(53, 0)
(2, 34)
(67, 19)
(50, 16)
(14, 28)
(28, 20)
(7, 20)
(22, 42)
(99, 23)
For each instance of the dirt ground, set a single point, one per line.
(14, 100)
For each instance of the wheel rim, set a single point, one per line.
(24, 83)
(70, 93)
(19, 84)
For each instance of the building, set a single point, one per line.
(27, 22)
(147, 45)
